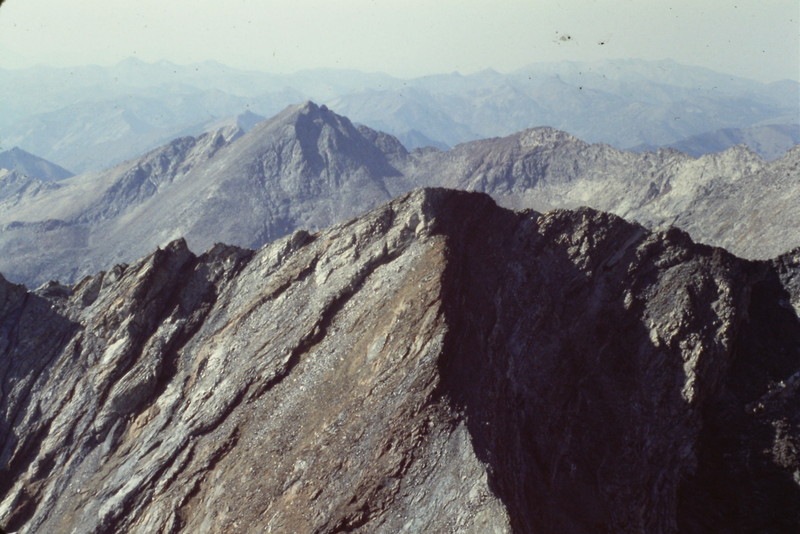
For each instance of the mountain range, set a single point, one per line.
(439, 364)
(771, 141)
(308, 167)
(90, 118)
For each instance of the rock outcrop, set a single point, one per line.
(439, 364)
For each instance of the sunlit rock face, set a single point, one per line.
(439, 364)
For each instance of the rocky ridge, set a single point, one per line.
(439, 364)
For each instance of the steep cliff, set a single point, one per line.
(439, 364)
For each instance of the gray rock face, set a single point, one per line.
(439, 364)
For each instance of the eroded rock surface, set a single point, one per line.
(437, 365)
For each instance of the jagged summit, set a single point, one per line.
(309, 109)
(438, 364)
(320, 133)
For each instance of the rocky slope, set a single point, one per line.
(437, 365)
(61, 230)
(16, 186)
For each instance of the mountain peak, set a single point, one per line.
(311, 107)
(308, 110)
(546, 135)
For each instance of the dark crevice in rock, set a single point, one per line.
(352, 523)
(22, 513)
(150, 303)
(202, 298)
(181, 514)
(197, 477)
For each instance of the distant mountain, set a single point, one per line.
(26, 163)
(770, 141)
(303, 168)
(95, 135)
(90, 118)
(437, 365)
(308, 167)
(416, 139)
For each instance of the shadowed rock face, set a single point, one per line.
(437, 365)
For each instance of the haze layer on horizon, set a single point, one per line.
(405, 38)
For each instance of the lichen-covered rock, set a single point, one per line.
(437, 365)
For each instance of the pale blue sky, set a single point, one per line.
(757, 39)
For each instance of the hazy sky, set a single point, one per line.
(755, 39)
